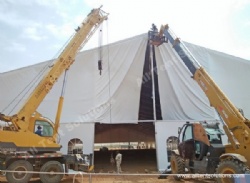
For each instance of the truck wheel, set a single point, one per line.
(23, 176)
(55, 172)
(177, 165)
(230, 166)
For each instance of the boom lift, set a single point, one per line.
(200, 147)
(23, 150)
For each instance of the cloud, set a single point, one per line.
(11, 19)
(33, 33)
(15, 47)
(247, 23)
(47, 3)
(239, 5)
(205, 23)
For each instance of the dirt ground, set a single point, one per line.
(122, 178)
(130, 179)
(136, 168)
(132, 173)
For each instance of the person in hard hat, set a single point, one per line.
(118, 159)
(39, 130)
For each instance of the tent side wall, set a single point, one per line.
(83, 131)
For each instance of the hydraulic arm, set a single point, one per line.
(234, 121)
(236, 126)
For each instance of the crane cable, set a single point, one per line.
(110, 103)
(100, 68)
(110, 100)
(100, 50)
(100, 61)
(23, 92)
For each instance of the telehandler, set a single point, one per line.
(200, 148)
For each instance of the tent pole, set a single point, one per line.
(153, 81)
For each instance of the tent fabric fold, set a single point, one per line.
(113, 96)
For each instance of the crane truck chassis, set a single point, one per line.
(23, 153)
(200, 149)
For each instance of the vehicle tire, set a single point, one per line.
(177, 165)
(230, 166)
(19, 177)
(55, 172)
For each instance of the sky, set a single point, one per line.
(33, 31)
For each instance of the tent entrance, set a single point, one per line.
(125, 136)
(136, 142)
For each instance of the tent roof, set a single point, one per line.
(123, 93)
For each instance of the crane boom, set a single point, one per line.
(29, 140)
(62, 63)
(24, 123)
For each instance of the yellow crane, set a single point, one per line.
(200, 148)
(21, 149)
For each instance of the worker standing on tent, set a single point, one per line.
(118, 159)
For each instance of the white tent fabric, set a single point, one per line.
(180, 96)
(230, 73)
(114, 96)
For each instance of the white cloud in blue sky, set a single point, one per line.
(33, 31)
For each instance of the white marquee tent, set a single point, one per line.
(114, 96)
